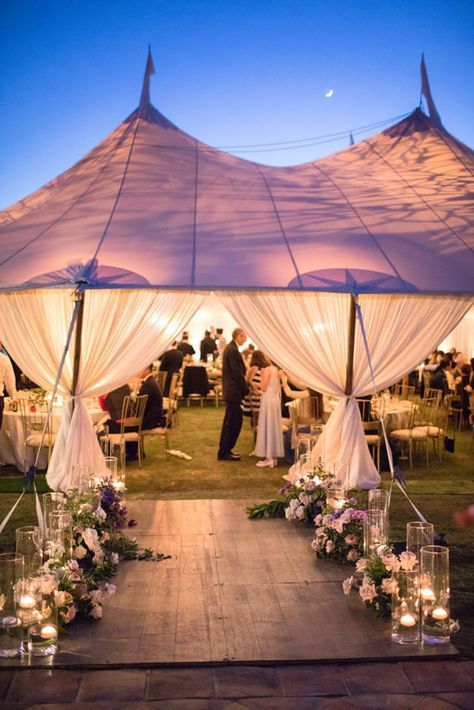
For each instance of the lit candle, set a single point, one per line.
(48, 632)
(407, 620)
(119, 485)
(27, 602)
(439, 613)
(427, 594)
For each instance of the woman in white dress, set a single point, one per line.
(269, 433)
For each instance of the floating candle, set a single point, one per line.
(27, 602)
(48, 632)
(439, 613)
(427, 594)
(407, 620)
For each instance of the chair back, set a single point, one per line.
(425, 414)
(308, 411)
(403, 391)
(426, 379)
(132, 412)
(174, 385)
(431, 393)
(160, 378)
(365, 408)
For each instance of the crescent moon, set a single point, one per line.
(329, 93)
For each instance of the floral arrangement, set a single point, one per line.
(340, 533)
(377, 584)
(98, 545)
(301, 499)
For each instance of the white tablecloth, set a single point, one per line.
(396, 413)
(12, 439)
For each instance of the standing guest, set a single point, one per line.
(269, 434)
(185, 346)
(153, 415)
(208, 346)
(247, 354)
(439, 377)
(7, 379)
(171, 361)
(234, 389)
(221, 341)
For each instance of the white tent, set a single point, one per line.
(151, 220)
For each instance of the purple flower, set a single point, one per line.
(132, 523)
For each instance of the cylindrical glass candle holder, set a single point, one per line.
(302, 447)
(434, 594)
(60, 538)
(111, 468)
(336, 497)
(418, 535)
(119, 484)
(379, 499)
(43, 632)
(52, 502)
(29, 543)
(375, 531)
(406, 607)
(11, 574)
(81, 474)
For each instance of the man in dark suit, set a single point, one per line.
(153, 415)
(234, 390)
(185, 346)
(171, 361)
(208, 346)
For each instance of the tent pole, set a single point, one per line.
(77, 345)
(350, 348)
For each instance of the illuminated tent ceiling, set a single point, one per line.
(151, 206)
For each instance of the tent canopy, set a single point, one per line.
(151, 206)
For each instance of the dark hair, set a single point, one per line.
(207, 333)
(259, 359)
(465, 369)
(445, 363)
(185, 336)
(219, 331)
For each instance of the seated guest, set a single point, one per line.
(208, 346)
(171, 361)
(185, 346)
(153, 415)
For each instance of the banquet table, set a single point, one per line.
(12, 437)
(396, 413)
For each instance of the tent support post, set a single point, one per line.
(77, 345)
(350, 348)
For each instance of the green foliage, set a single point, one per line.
(272, 509)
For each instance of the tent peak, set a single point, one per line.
(426, 92)
(149, 71)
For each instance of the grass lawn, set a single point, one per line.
(446, 487)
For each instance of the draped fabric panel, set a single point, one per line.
(401, 331)
(462, 337)
(307, 335)
(123, 331)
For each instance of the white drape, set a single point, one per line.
(307, 335)
(123, 330)
(462, 337)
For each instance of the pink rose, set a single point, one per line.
(351, 539)
(408, 560)
(352, 555)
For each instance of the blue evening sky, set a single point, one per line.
(229, 73)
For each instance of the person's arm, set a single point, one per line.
(293, 394)
(9, 378)
(235, 364)
(265, 379)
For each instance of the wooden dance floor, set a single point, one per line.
(234, 590)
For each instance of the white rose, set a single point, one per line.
(110, 589)
(91, 538)
(408, 560)
(347, 585)
(96, 612)
(97, 596)
(361, 564)
(114, 558)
